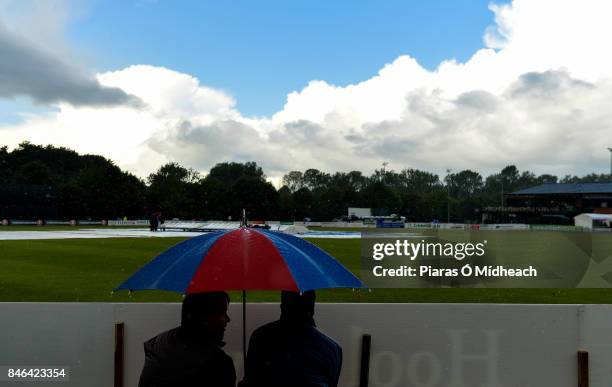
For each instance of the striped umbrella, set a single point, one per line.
(242, 259)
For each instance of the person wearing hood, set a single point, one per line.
(191, 354)
(292, 351)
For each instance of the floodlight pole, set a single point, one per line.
(384, 172)
(448, 171)
(610, 149)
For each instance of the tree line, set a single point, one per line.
(58, 183)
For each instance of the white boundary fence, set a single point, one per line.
(190, 224)
(459, 345)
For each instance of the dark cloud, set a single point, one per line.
(304, 133)
(202, 146)
(549, 85)
(479, 100)
(355, 138)
(395, 147)
(26, 70)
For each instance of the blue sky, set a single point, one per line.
(258, 52)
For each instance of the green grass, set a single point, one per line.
(75, 269)
(86, 270)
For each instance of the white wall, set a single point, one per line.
(412, 344)
(584, 221)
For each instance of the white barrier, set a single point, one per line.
(339, 224)
(223, 225)
(467, 226)
(412, 344)
(504, 226)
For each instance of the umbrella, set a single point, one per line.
(242, 259)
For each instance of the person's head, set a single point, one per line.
(296, 306)
(205, 314)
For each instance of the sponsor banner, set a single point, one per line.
(510, 226)
(142, 222)
(382, 223)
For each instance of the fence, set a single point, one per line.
(414, 225)
(412, 344)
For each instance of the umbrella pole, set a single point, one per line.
(244, 350)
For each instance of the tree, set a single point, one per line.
(416, 181)
(173, 173)
(465, 184)
(286, 204)
(232, 187)
(497, 185)
(381, 198)
(173, 190)
(259, 198)
(33, 172)
(356, 180)
(590, 178)
(303, 203)
(213, 204)
(5, 173)
(315, 179)
(510, 176)
(435, 204)
(293, 180)
(106, 192)
(465, 191)
(546, 179)
(332, 202)
(229, 173)
(67, 184)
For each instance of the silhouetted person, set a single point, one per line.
(291, 351)
(154, 221)
(191, 354)
(162, 220)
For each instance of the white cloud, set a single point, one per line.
(536, 95)
(171, 94)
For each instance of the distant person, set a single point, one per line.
(291, 351)
(154, 221)
(162, 220)
(191, 355)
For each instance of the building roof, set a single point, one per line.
(578, 188)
